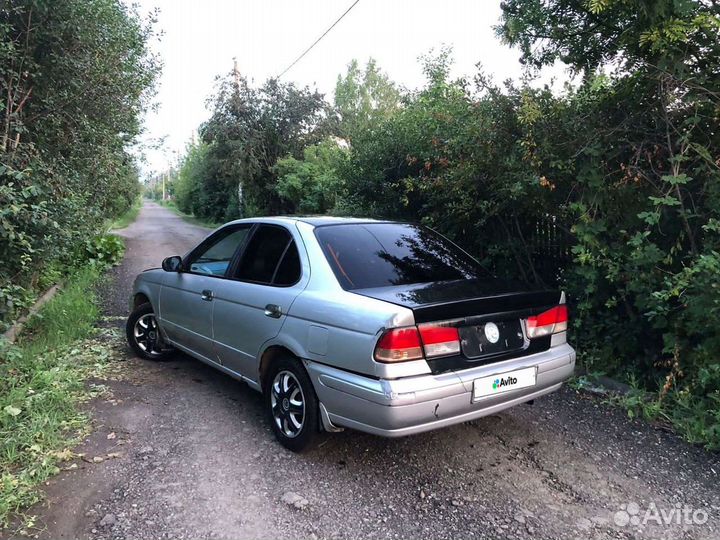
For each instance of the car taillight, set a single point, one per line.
(548, 322)
(399, 345)
(439, 340)
(417, 342)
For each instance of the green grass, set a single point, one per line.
(69, 316)
(129, 216)
(42, 382)
(188, 217)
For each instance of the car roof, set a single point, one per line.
(318, 221)
(315, 221)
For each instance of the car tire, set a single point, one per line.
(143, 334)
(291, 405)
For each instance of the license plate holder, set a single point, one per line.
(492, 338)
(506, 381)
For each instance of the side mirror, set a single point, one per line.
(172, 264)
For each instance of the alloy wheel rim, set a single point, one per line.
(287, 402)
(147, 335)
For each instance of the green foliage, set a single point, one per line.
(364, 98)
(129, 216)
(103, 251)
(596, 33)
(464, 159)
(640, 404)
(645, 184)
(312, 184)
(249, 130)
(75, 77)
(189, 183)
(695, 410)
(67, 317)
(265, 150)
(190, 218)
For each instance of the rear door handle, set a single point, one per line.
(273, 310)
(207, 295)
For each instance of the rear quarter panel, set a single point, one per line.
(340, 329)
(330, 325)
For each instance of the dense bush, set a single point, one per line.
(74, 76)
(312, 185)
(645, 177)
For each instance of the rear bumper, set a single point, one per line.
(409, 405)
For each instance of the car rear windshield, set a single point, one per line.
(371, 255)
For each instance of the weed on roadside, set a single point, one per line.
(640, 404)
(696, 419)
(43, 381)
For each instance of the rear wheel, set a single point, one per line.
(143, 334)
(291, 405)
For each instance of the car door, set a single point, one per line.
(251, 306)
(186, 297)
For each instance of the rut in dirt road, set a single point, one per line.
(197, 460)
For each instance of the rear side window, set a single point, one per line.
(271, 257)
(384, 254)
(288, 271)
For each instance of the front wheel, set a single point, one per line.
(291, 405)
(143, 334)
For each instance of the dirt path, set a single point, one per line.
(197, 460)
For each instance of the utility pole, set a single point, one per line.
(236, 74)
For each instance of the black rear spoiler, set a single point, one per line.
(520, 304)
(464, 298)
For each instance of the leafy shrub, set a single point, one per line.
(695, 409)
(188, 184)
(313, 184)
(104, 250)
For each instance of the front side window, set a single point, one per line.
(384, 254)
(214, 259)
(270, 258)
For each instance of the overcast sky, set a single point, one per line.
(201, 37)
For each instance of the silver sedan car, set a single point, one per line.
(382, 327)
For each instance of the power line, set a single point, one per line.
(318, 39)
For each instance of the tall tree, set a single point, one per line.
(588, 34)
(249, 130)
(364, 98)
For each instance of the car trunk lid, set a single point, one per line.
(487, 313)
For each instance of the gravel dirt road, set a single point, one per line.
(196, 460)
